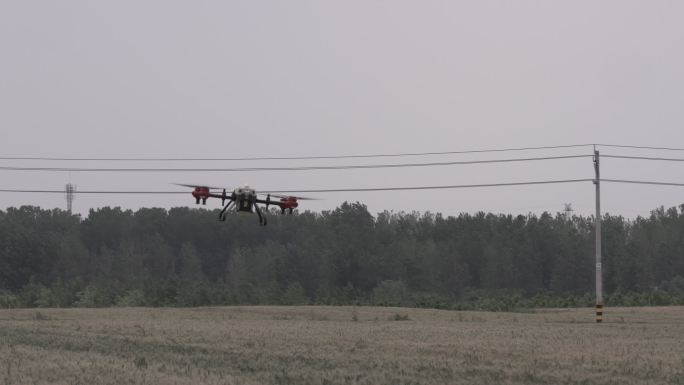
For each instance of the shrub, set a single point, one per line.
(45, 297)
(85, 298)
(399, 317)
(8, 300)
(141, 362)
(131, 298)
(193, 294)
(391, 293)
(294, 295)
(38, 316)
(431, 301)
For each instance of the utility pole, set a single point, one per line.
(599, 274)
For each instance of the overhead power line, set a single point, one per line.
(640, 147)
(475, 186)
(432, 187)
(314, 190)
(132, 192)
(644, 182)
(643, 158)
(208, 159)
(341, 156)
(369, 189)
(293, 168)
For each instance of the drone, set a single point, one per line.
(244, 199)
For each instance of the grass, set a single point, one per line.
(340, 345)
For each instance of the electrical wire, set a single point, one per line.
(293, 168)
(643, 158)
(90, 191)
(137, 159)
(643, 182)
(316, 190)
(370, 189)
(640, 147)
(348, 156)
(432, 187)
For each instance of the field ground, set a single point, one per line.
(340, 345)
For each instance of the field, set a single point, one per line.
(340, 345)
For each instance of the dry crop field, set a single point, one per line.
(340, 345)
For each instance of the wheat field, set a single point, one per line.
(340, 345)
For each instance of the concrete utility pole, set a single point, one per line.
(599, 273)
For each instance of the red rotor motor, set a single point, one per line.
(201, 193)
(289, 202)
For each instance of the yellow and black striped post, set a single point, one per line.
(599, 312)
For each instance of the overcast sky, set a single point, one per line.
(295, 78)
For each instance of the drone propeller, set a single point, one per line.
(295, 197)
(197, 185)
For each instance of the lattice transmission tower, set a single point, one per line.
(69, 190)
(567, 212)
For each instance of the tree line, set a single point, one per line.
(184, 257)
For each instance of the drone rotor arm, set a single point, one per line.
(262, 219)
(267, 202)
(222, 213)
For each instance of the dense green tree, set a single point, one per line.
(183, 257)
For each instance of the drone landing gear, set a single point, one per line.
(222, 214)
(262, 219)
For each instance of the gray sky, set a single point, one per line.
(289, 78)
